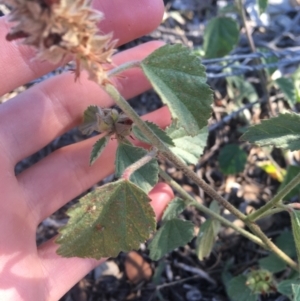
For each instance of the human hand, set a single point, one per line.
(33, 119)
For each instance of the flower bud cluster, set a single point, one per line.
(261, 282)
(108, 121)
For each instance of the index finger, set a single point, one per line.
(128, 20)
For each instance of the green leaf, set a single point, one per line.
(286, 85)
(206, 238)
(173, 234)
(296, 81)
(221, 35)
(295, 220)
(226, 276)
(292, 172)
(98, 148)
(163, 136)
(146, 176)
(282, 131)
(285, 242)
(215, 207)
(187, 148)
(89, 124)
(272, 263)
(237, 290)
(269, 60)
(296, 291)
(232, 159)
(115, 217)
(157, 277)
(262, 5)
(285, 288)
(239, 89)
(174, 208)
(179, 78)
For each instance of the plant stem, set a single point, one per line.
(261, 74)
(155, 141)
(191, 202)
(263, 241)
(138, 164)
(275, 200)
(123, 67)
(272, 247)
(271, 212)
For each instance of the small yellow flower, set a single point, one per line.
(57, 28)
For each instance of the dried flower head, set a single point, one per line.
(57, 28)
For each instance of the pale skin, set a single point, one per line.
(32, 120)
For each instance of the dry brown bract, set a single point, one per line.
(61, 27)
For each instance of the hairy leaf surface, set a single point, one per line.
(115, 217)
(187, 148)
(287, 86)
(146, 176)
(220, 37)
(285, 242)
(296, 291)
(282, 131)
(295, 219)
(285, 288)
(163, 136)
(237, 290)
(98, 148)
(173, 234)
(292, 172)
(232, 159)
(174, 208)
(207, 234)
(272, 263)
(89, 120)
(179, 78)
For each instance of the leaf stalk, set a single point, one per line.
(192, 202)
(123, 67)
(138, 164)
(127, 109)
(275, 200)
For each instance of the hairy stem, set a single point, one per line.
(272, 247)
(265, 242)
(165, 151)
(191, 202)
(275, 200)
(155, 141)
(271, 212)
(138, 164)
(123, 67)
